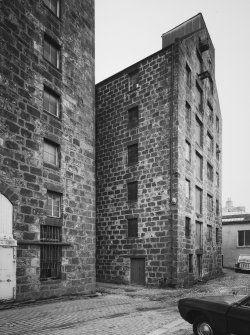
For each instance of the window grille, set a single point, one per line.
(133, 227)
(51, 254)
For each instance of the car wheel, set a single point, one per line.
(202, 326)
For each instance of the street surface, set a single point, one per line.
(116, 310)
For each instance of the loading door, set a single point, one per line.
(138, 271)
(7, 251)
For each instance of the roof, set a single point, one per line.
(236, 218)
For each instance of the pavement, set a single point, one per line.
(115, 310)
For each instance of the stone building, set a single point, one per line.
(47, 148)
(159, 165)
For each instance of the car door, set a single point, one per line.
(238, 318)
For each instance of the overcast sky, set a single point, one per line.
(130, 30)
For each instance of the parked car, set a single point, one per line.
(243, 264)
(222, 315)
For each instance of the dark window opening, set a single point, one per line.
(209, 233)
(133, 117)
(199, 132)
(188, 114)
(210, 173)
(188, 76)
(209, 202)
(188, 189)
(133, 227)
(187, 227)
(133, 80)
(133, 154)
(133, 191)
(217, 235)
(199, 98)
(190, 263)
(199, 166)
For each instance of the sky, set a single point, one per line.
(130, 30)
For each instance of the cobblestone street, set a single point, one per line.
(117, 309)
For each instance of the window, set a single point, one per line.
(217, 235)
(187, 226)
(132, 191)
(51, 254)
(211, 86)
(132, 154)
(209, 233)
(217, 125)
(217, 152)
(54, 6)
(53, 207)
(188, 114)
(244, 238)
(198, 166)
(199, 96)
(199, 235)
(133, 80)
(210, 174)
(210, 113)
(51, 52)
(133, 227)
(200, 62)
(133, 117)
(188, 189)
(51, 102)
(217, 179)
(210, 143)
(198, 200)
(199, 132)
(209, 203)
(187, 151)
(188, 76)
(50, 153)
(217, 207)
(190, 263)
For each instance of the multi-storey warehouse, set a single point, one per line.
(47, 148)
(159, 165)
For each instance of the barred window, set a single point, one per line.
(51, 153)
(50, 254)
(133, 117)
(133, 154)
(51, 52)
(54, 6)
(53, 204)
(133, 227)
(51, 102)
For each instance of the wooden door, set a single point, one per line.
(138, 271)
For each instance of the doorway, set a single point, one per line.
(138, 271)
(7, 251)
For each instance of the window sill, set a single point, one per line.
(36, 242)
(50, 166)
(54, 116)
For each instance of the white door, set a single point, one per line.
(7, 251)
